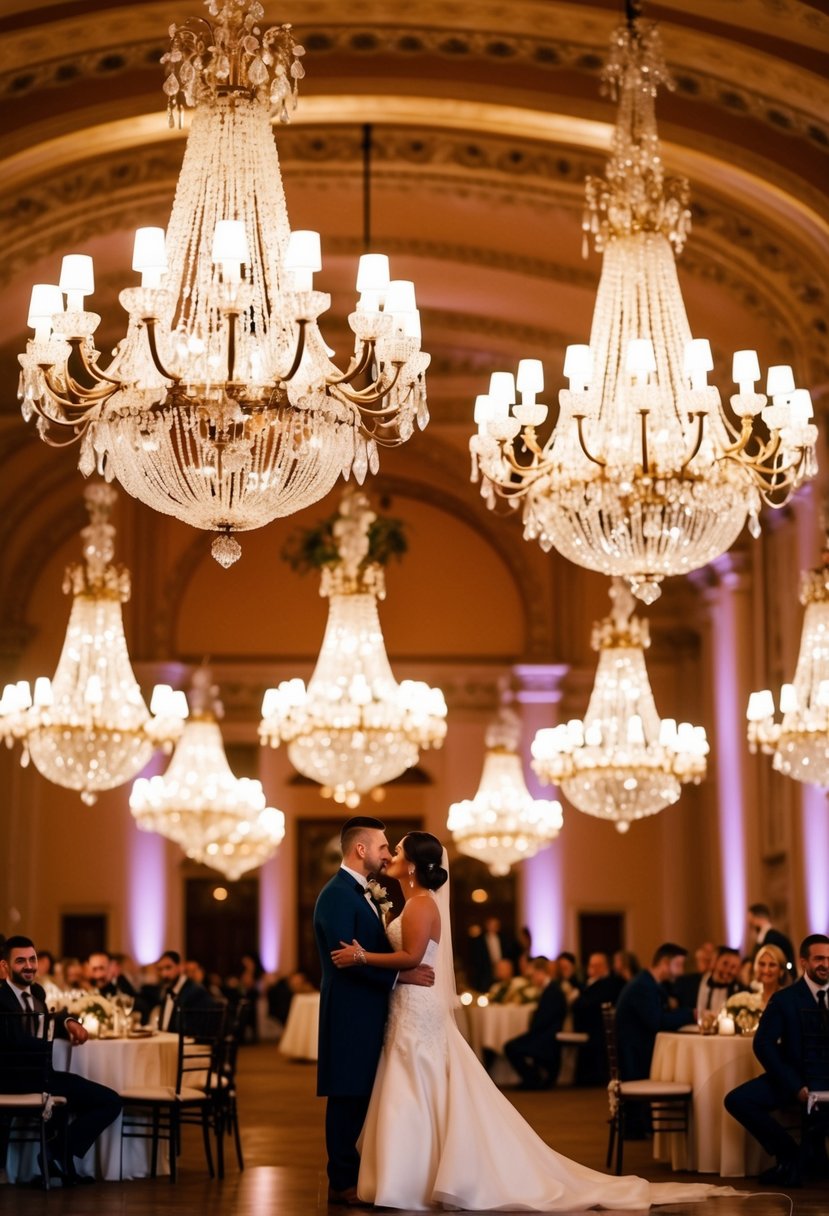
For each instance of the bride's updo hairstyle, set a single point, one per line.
(425, 852)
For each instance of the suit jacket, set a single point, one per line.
(24, 1082)
(480, 964)
(353, 1001)
(641, 1012)
(687, 990)
(191, 998)
(778, 1041)
(775, 938)
(587, 1008)
(549, 1017)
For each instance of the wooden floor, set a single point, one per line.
(285, 1160)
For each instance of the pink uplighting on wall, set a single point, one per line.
(815, 853)
(269, 915)
(542, 906)
(147, 896)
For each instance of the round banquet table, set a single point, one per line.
(118, 1063)
(713, 1065)
(489, 1027)
(300, 1038)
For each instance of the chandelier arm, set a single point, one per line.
(735, 449)
(232, 318)
(643, 415)
(580, 430)
(66, 403)
(76, 428)
(91, 366)
(371, 395)
(357, 367)
(150, 324)
(300, 351)
(700, 417)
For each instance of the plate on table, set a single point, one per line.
(691, 1028)
(143, 1032)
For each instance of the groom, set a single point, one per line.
(353, 1001)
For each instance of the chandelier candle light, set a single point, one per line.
(800, 742)
(88, 728)
(621, 763)
(218, 819)
(354, 727)
(221, 406)
(645, 474)
(503, 823)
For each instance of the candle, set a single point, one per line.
(727, 1026)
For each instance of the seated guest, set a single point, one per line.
(707, 993)
(507, 986)
(524, 950)
(536, 1055)
(486, 947)
(764, 933)
(625, 965)
(778, 1045)
(72, 977)
(195, 971)
(603, 988)
(179, 993)
(770, 972)
(704, 956)
(99, 976)
(92, 1106)
(642, 1010)
(149, 991)
(283, 990)
(566, 971)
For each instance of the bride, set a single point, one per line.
(438, 1131)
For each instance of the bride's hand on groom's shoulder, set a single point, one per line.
(348, 955)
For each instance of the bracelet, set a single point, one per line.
(359, 956)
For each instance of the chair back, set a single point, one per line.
(25, 1052)
(611, 1049)
(200, 1046)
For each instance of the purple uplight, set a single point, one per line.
(269, 914)
(147, 895)
(542, 905)
(815, 852)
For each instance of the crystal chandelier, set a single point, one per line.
(621, 763)
(646, 473)
(800, 743)
(221, 406)
(88, 728)
(354, 727)
(217, 819)
(503, 823)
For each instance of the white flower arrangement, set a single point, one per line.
(93, 1007)
(745, 1008)
(380, 896)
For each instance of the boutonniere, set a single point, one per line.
(380, 896)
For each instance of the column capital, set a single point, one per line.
(539, 683)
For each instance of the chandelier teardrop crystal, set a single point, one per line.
(799, 743)
(354, 727)
(646, 474)
(88, 728)
(217, 819)
(621, 763)
(503, 824)
(222, 406)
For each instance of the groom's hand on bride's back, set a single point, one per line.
(422, 975)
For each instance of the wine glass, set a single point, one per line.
(127, 1004)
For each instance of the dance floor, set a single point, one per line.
(282, 1124)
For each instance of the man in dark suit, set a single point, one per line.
(180, 994)
(354, 1000)
(709, 991)
(92, 1107)
(536, 1055)
(486, 949)
(778, 1045)
(603, 988)
(764, 933)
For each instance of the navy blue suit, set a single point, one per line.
(778, 1045)
(536, 1055)
(641, 1012)
(353, 1008)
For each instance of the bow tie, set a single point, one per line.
(716, 984)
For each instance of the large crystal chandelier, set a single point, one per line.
(621, 763)
(354, 727)
(800, 742)
(88, 728)
(216, 818)
(222, 406)
(646, 473)
(503, 823)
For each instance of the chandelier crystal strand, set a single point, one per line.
(88, 728)
(354, 727)
(503, 824)
(799, 744)
(222, 406)
(621, 762)
(645, 473)
(216, 818)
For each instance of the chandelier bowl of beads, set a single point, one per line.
(621, 762)
(646, 474)
(354, 727)
(216, 818)
(503, 824)
(88, 728)
(222, 406)
(799, 743)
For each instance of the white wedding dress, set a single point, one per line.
(439, 1133)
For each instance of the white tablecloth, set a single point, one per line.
(713, 1065)
(490, 1027)
(301, 1035)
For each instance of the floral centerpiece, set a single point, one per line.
(94, 1011)
(745, 1008)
